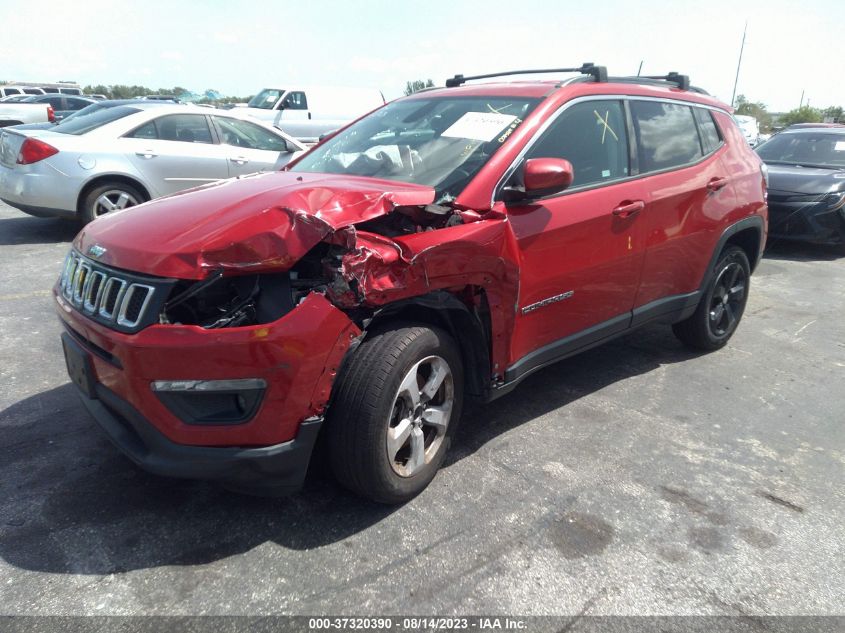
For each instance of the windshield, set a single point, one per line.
(814, 149)
(441, 142)
(86, 110)
(265, 99)
(82, 124)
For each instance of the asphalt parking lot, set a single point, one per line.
(637, 478)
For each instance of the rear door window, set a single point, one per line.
(187, 128)
(592, 136)
(666, 133)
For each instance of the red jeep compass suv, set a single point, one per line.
(441, 248)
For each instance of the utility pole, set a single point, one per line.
(739, 63)
(640, 69)
(801, 103)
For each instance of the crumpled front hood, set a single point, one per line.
(807, 180)
(257, 223)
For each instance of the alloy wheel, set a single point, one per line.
(728, 300)
(113, 200)
(420, 415)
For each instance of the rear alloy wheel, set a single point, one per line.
(396, 406)
(109, 197)
(720, 309)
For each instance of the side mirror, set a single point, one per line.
(545, 176)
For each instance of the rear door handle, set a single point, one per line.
(240, 160)
(629, 209)
(146, 154)
(714, 184)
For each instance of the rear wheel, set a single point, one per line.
(110, 196)
(719, 312)
(396, 408)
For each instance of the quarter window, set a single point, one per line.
(590, 135)
(666, 134)
(707, 126)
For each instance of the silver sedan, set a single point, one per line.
(121, 156)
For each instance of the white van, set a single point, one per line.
(306, 113)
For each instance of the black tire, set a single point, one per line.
(720, 310)
(91, 207)
(370, 405)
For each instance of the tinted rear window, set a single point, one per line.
(85, 123)
(666, 134)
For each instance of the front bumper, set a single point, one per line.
(297, 357)
(812, 222)
(267, 470)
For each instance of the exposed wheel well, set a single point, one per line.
(749, 241)
(470, 327)
(100, 180)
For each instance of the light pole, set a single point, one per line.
(739, 63)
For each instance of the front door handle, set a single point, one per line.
(146, 154)
(714, 184)
(240, 160)
(628, 208)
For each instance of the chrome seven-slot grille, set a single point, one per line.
(104, 294)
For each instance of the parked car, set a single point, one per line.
(750, 128)
(306, 113)
(63, 105)
(18, 112)
(114, 157)
(440, 249)
(96, 97)
(806, 184)
(11, 90)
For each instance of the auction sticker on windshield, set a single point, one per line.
(479, 126)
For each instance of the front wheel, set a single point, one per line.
(111, 196)
(720, 309)
(396, 407)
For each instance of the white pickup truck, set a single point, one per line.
(15, 113)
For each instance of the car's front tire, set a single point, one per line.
(107, 197)
(396, 406)
(721, 308)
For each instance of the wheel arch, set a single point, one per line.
(104, 178)
(748, 234)
(468, 325)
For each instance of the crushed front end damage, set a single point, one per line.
(260, 303)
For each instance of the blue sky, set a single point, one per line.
(237, 47)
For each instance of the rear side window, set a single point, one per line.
(666, 135)
(592, 136)
(186, 128)
(709, 132)
(12, 91)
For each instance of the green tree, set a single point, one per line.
(804, 114)
(757, 109)
(834, 112)
(418, 84)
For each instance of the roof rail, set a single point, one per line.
(682, 81)
(599, 73)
